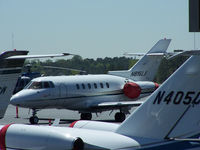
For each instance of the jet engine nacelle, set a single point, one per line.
(135, 89)
(18, 136)
(132, 90)
(94, 125)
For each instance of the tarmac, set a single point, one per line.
(47, 116)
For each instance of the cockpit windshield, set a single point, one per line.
(40, 85)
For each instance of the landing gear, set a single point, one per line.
(34, 119)
(120, 117)
(86, 116)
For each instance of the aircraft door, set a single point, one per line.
(63, 91)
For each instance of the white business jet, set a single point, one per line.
(94, 93)
(168, 119)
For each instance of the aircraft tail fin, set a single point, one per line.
(10, 70)
(146, 68)
(172, 110)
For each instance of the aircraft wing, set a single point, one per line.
(38, 56)
(117, 105)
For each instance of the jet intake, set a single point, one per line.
(132, 90)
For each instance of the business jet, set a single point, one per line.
(168, 119)
(94, 93)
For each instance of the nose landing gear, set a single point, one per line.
(34, 119)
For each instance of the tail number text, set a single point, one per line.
(178, 97)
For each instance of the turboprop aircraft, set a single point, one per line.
(94, 93)
(168, 119)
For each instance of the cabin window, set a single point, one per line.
(95, 85)
(107, 85)
(35, 85)
(46, 85)
(89, 85)
(77, 86)
(101, 84)
(28, 85)
(51, 84)
(83, 86)
(39, 85)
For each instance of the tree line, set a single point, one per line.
(100, 66)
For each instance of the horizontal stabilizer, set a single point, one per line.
(39, 56)
(186, 139)
(185, 53)
(146, 67)
(133, 54)
(150, 54)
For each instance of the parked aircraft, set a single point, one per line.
(166, 120)
(94, 93)
(10, 69)
(27, 76)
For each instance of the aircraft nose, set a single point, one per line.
(15, 100)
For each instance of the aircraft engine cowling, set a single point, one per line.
(156, 85)
(132, 90)
(18, 136)
(94, 125)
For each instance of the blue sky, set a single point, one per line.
(94, 28)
